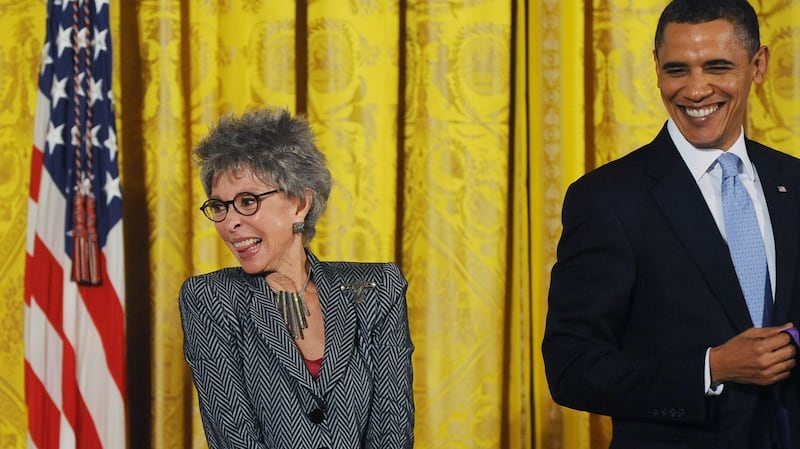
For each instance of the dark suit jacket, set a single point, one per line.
(253, 387)
(644, 284)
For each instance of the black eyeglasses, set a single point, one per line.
(245, 203)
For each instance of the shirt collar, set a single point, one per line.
(702, 160)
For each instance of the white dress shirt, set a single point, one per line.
(705, 169)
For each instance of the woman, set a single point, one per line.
(287, 351)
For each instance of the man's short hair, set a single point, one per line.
(738, 12)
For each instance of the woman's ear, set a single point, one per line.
(305, 205)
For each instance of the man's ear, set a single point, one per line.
(760, 63)
(658, 72)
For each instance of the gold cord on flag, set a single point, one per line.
(85, 248)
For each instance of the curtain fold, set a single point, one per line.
(552, 88)
(455, 225)
(352, 72)
(452, 130)
(22, 26)
(161, 141)
(520, 412)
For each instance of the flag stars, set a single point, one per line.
(95, 90)
(98, 4)
(111, 144)
(93, 136)
(46, 58)
(55, 136)
(58, 90)
(64, 39)
(99, 41)
(112, 188)
(79, 84)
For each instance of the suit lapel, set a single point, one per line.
(677, 195)
(781, 196)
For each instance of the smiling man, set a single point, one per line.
(674, 299)
(705, 71)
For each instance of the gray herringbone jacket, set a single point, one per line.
(254, 389)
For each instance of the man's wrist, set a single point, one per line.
(711, 388)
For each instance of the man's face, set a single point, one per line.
(704, 74)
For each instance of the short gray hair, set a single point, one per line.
(279, 149)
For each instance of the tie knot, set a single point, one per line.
(730, 164)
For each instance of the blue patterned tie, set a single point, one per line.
(744, 239)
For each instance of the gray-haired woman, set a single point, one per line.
(287, 351)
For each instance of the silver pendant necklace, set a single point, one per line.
(292, 307)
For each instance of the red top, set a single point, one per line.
(313, 366)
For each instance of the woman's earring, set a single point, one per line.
(298, 228)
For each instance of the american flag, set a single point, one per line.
(75, 387)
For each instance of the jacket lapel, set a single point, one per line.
(677, 195)
(781, 196)
(340, 327)
(340, 324)
(272, 329)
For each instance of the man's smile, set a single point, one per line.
(701, 112)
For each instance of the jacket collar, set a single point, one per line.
(676, 193)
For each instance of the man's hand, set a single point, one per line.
(759, 356)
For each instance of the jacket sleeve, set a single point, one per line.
(594, 288)
(210, 350)
(392, 416)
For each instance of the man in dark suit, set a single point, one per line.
(648, 320)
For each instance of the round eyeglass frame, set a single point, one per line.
(208, 212)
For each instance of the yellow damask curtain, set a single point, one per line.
(22, 31)
(411, 105)
(452, 129)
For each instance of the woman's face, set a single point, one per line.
(262, 242)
